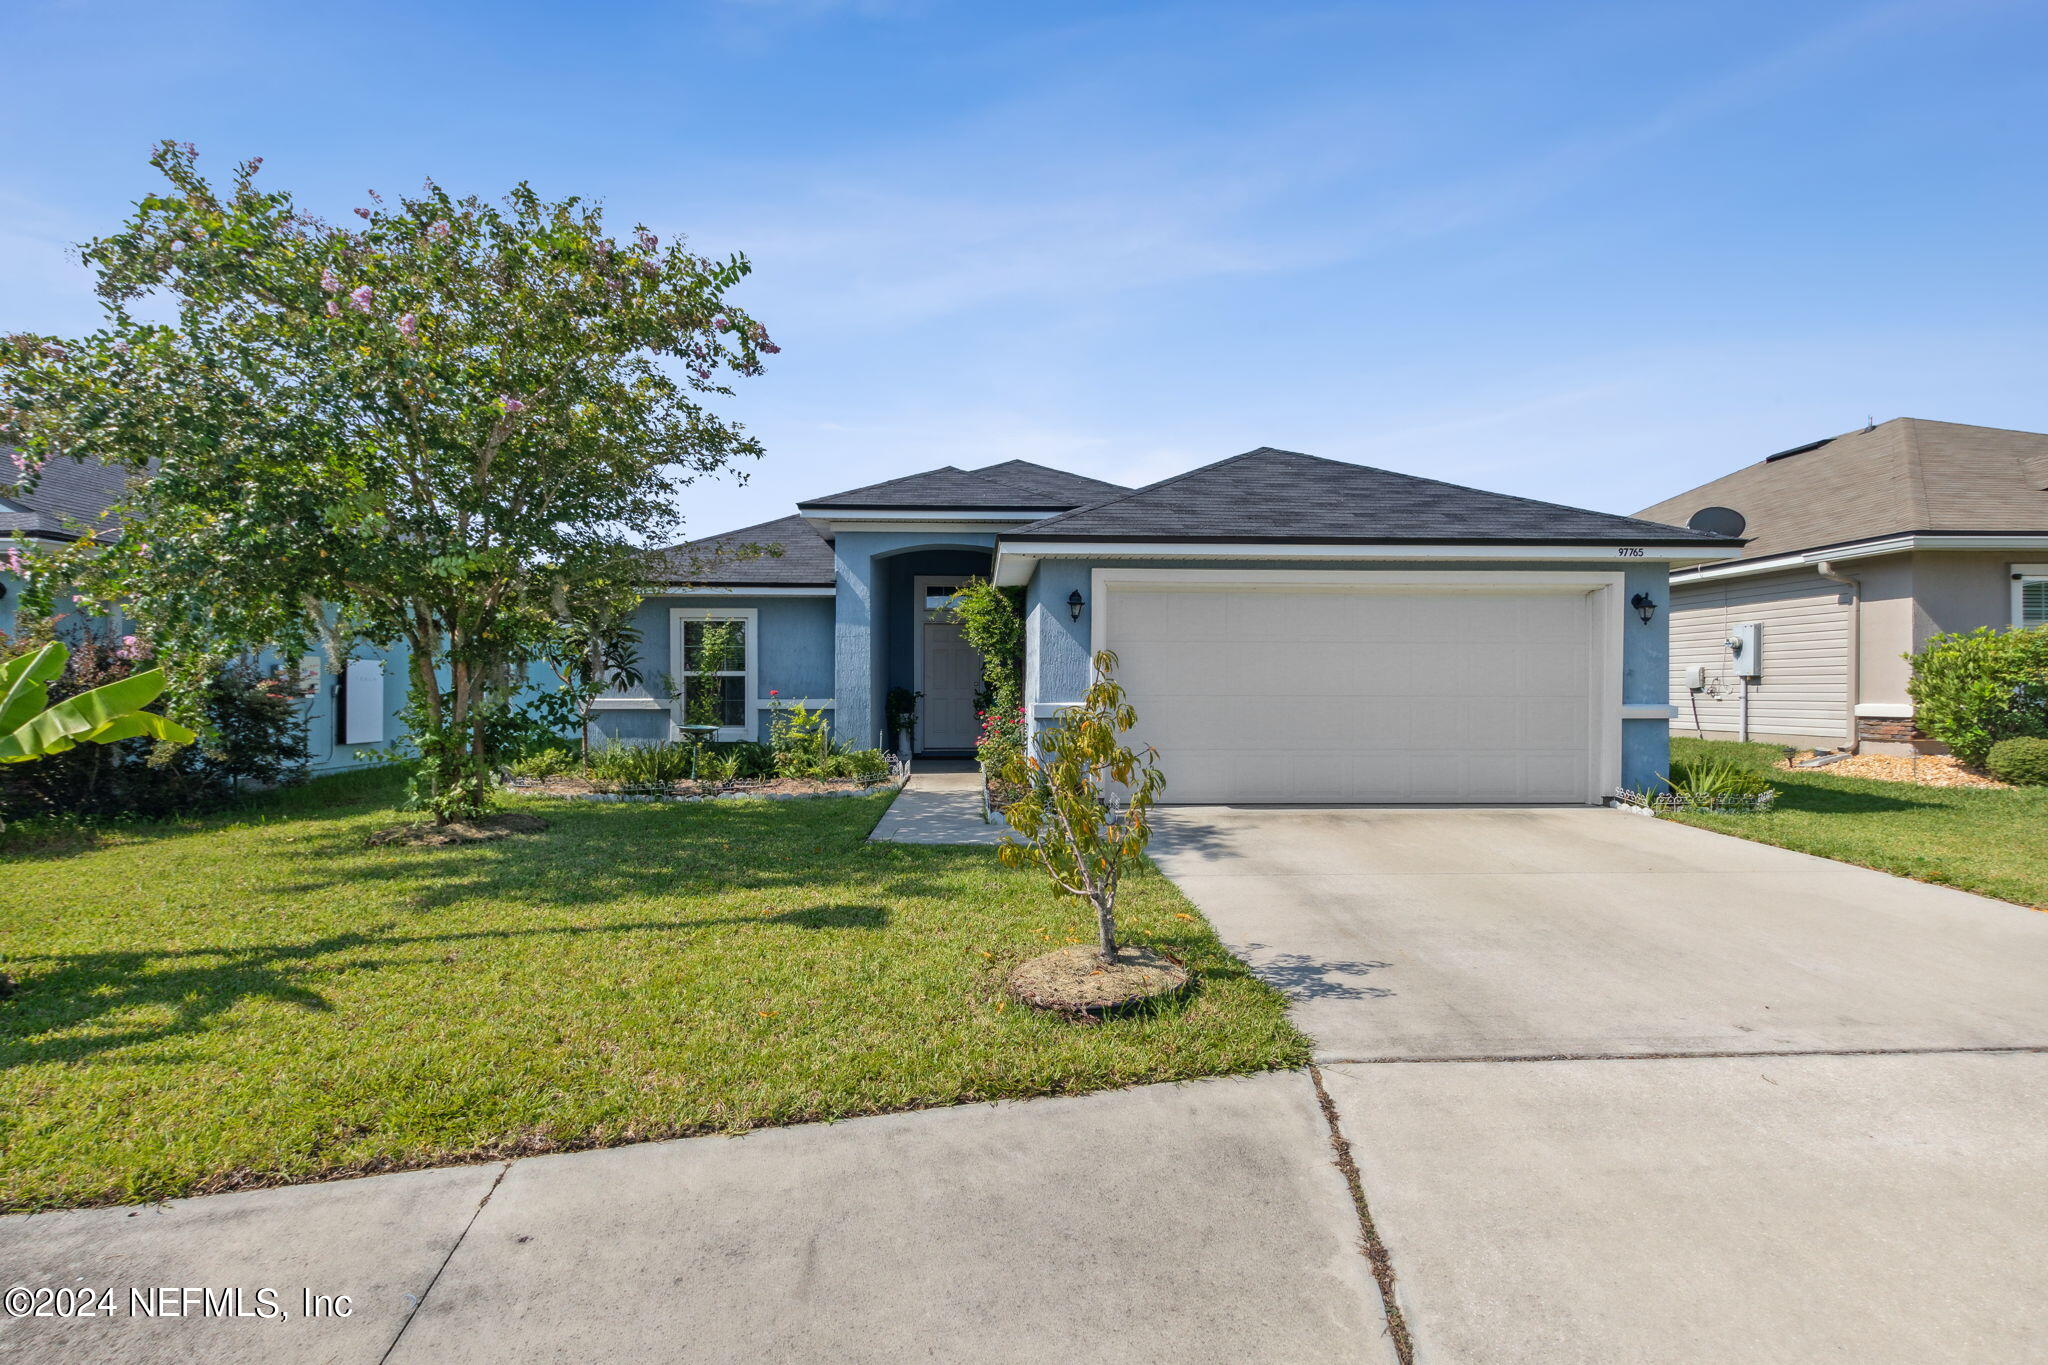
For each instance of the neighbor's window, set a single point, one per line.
(714, 678)
(2030, 597)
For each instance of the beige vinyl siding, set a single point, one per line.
(1803, 689)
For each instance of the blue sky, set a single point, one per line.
(1595, 253)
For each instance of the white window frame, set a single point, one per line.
(751, 617)
(2023, 574)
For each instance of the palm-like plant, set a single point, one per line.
(30, 727)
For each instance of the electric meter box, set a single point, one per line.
(1745, 647)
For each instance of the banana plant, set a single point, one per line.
(32, 728)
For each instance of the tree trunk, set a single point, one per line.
(1105, 927)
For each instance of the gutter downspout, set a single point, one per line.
(1854, 681)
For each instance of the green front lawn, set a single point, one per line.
(263, 998)
(1980, 839)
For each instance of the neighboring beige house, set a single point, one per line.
(1860, 547)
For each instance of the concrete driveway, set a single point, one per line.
(1619, 1089)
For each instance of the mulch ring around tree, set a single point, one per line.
(1077, 982)
(429, 835)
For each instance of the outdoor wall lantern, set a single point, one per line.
(1074, 605)
(1645, 607)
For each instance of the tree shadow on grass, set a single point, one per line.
(195, 985)
(618, 851)
(1816, 799)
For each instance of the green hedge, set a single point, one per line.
(1970, 691)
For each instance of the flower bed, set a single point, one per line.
(769, 788)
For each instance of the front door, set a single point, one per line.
(948, 670)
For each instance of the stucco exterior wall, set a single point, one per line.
(859, 625)
(1959, 591)
(1057, 660)
(793, 656)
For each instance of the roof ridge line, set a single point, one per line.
(1162, 483)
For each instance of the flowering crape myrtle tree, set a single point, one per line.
(1085, 813)
(446, 424)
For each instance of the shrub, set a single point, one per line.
(554, 761)
(802, 741)
(1000, 746)
(2021, 760)
(253, 731)
(641, 765)
(1703, 782)
(1971, 691)
(751, 758)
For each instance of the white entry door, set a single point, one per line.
(1396, 694)
(948, 670)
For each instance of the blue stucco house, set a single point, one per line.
(1289, 628)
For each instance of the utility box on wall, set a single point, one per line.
(1745, 646)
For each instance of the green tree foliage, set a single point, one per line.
(1084, 814)
(448, 424)
(992, 620)
(1970, 691)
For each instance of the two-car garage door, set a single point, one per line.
(1365, 692)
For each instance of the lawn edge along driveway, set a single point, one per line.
(1986, 840)
(263, 999)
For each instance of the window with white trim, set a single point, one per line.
(714, 669)
(2030, 595)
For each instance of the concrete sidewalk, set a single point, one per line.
(1198, 1222)
(1886, 1210)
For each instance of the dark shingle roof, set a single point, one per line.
(1282, 495)
(1908, 474)
(722, 560)
(67, 493)
(1014, 485)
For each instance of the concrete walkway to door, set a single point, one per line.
(1618, 1089)
(939, 804)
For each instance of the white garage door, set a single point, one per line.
(1346, 695)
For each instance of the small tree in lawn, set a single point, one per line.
(1087, 794)
(450, 424)
(588, 659)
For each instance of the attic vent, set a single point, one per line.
(1799, 450)
(1719, 521)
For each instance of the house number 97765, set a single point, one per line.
(1629, 551)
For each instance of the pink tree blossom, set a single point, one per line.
(359, 298)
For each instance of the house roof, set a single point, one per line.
(1905, 475)
(1269, 495)
(1013, 485)
(68, 492)
(804, 561)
